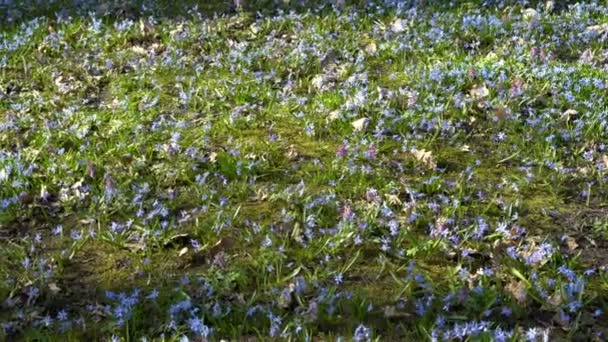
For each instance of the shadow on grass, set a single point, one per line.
(15, 12)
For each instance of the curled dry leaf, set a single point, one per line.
(425, 157)
(360, 124)
(393, 199)
(333, 115)
(597, 29)
(371, 48)
(517, 290)
(219, 260)
(570, 242)
(479, 92)
(586, 57)
(555, 300)
(54, 288)
(139, 50)
(501, 112)
(569, 114)
(292, 153)
(391, 312)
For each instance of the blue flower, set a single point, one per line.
(362, 333)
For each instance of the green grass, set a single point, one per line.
(213, 158)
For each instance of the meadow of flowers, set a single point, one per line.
(321, 171)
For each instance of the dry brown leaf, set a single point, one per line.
(213, 157)
(586, 57)
(598, 29)
(371, 48)
(393, 199)
(334, 115)
(360, 124)
(139, 50)
(518, 290)
(292, 152)
(54, 288)
(571, 243)
(425, 157)
(219, 260)
(555, 300)
(569, 114)
(479, 92)
(501, 112)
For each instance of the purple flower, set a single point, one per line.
(58, 230)
(153, 294)
(62, 315)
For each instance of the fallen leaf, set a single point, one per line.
(569, 114)
(183, 251)
(360, 124)
(597, 29)
(219, 260)
(517, 290)
(136, 246)
(425, 157)
(292, 152)
(586, 57)
(390, 312)
(54, 288)
(138, 50)
(393, 199)
(296, 232)
(371, 48)
(286, 298)
(555, 300)
(178, 29)
(334, 115)
(479, 92)
(571, 243)
(501, 112)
